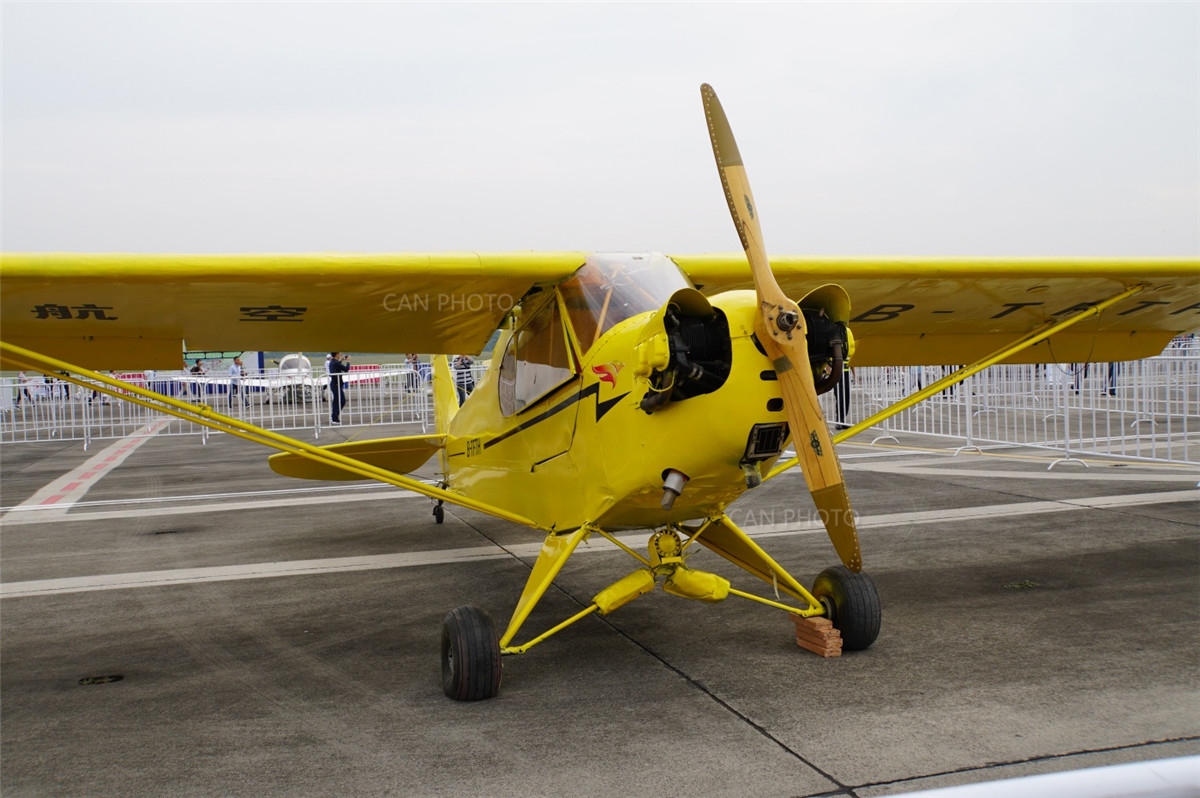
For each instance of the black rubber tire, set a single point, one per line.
(439, 513)
(851, 603)
(471, 667)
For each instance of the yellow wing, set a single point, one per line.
(139, 311)
(930, 311)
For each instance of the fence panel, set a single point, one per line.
(1144, 410)
(33, 409)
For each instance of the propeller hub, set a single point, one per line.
(787, 320)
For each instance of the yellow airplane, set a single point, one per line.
(628, 391)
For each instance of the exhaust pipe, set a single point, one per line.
(673, 482)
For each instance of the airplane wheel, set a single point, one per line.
(439, 513)
(851, 603)
(470, 655)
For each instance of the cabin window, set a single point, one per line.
(608, 289)
(507, 378)
(536, 360)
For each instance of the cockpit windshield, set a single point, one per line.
(608, 289)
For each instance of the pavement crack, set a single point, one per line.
(465, 522)
(842, 789)
(1130, 512)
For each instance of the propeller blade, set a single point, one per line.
(783, 333)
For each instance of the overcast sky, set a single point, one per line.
(906, 129)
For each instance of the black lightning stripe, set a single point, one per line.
(602, 409)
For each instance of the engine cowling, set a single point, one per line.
(685, 350)
(830, 345)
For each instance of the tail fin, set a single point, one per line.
(445, 396)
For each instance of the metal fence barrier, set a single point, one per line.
(33, 408)
(1143, 410)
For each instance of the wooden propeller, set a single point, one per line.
(783, 333)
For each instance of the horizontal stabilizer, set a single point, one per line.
(398, 455)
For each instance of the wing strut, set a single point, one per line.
(1051, 327)
(22, 358)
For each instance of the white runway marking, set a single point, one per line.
(33, 513)
(919, 517)
(54, 499)
(962, 469)
(49, 587)
(204, 509)
(190, 497)
(858, 454)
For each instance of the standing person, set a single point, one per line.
(463, 380)
(236, 372)
(23, 387)
(197, 371)
(412, 378)
(337, 366)
(41, 388)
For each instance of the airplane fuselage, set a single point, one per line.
(588, 450)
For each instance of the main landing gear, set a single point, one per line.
(851, 604)
(470, 655)
(471, 649)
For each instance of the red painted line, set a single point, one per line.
(53, 499)
(73, 486)
(90, 474)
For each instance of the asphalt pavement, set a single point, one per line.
(182, 621)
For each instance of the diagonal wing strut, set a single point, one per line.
(21, 358)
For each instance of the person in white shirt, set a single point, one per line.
(23, 383)
(235, 382)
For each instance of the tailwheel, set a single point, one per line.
(851, 604)
(470, 655)
(439, 512)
